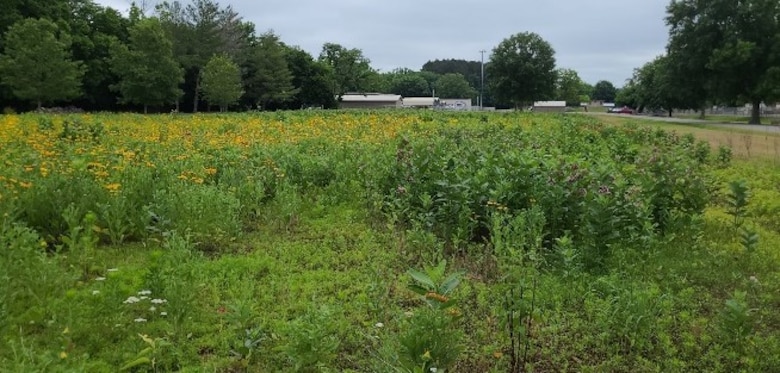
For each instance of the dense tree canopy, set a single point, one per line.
(727, 50)
(407, 83)
(720, 52)
(149, 75)
(312, 80)
(269, 81)
(352, 71)
(570, 88)
(454, 85)
(36, 63)
(522, 69)
(604, 91)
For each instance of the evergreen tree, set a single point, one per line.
(37, 65)
(268, 78)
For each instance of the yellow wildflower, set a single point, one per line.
(113, 187)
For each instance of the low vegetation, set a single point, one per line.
(382, 242)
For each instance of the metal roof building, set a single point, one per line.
(369, 101)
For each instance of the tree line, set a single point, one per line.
(201, 55)
(720, 52)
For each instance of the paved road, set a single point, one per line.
(708, 123)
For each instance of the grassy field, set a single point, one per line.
(385, 242)
(744, 143)
(741, 119)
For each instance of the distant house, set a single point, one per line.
(550, 106)
(420, 102)
(463, 104)
(369, 101)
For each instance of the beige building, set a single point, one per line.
(369, 101)
(549, 106)
(420, 102)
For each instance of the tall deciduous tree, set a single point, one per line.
(313, 80)
(654, 87)
(94, 29)
(352, 71)
(727, 48)
(454, 85)
(407, 83)
(268, 77)
(522, 69)
(569, 87)
(604, 91)
(149, 75)
(222, 82)
(36, 63)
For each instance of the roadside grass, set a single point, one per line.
(743, 143)
(739, 119)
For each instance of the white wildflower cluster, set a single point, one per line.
(145, 295)
(131, 300)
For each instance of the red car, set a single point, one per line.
(622, 110)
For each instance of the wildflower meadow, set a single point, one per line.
(386, 241)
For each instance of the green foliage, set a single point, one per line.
(269, 78)
(312, 340)
(723, 49)
(148, 73)
(604, 91)
(737, 201)
(522, 69)
(36, 63)
(221, 82)
(429, 341)
(434, 288)
(312, 79)
(736, 321)
(579, 247)
(568, 87)
(454, 86)
(352, 71)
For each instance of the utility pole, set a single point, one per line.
(481, 79)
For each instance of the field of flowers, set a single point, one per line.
(381, 242)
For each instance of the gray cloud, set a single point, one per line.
(603, 39)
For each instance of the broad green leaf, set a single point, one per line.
(422, 278)
(450, 283)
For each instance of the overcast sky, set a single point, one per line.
(602, 39)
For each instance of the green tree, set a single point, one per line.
(655, 87)
(93, 30)
(149, 75)
(200, 30)
(352, 71)
(727, 49)
(522, 69)
(604, 91)
(454, 85)
(36, 64)
(628, 95)
(222, 82)
(408, 83)
(569, 87)
(313, 80)
(268, 78)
